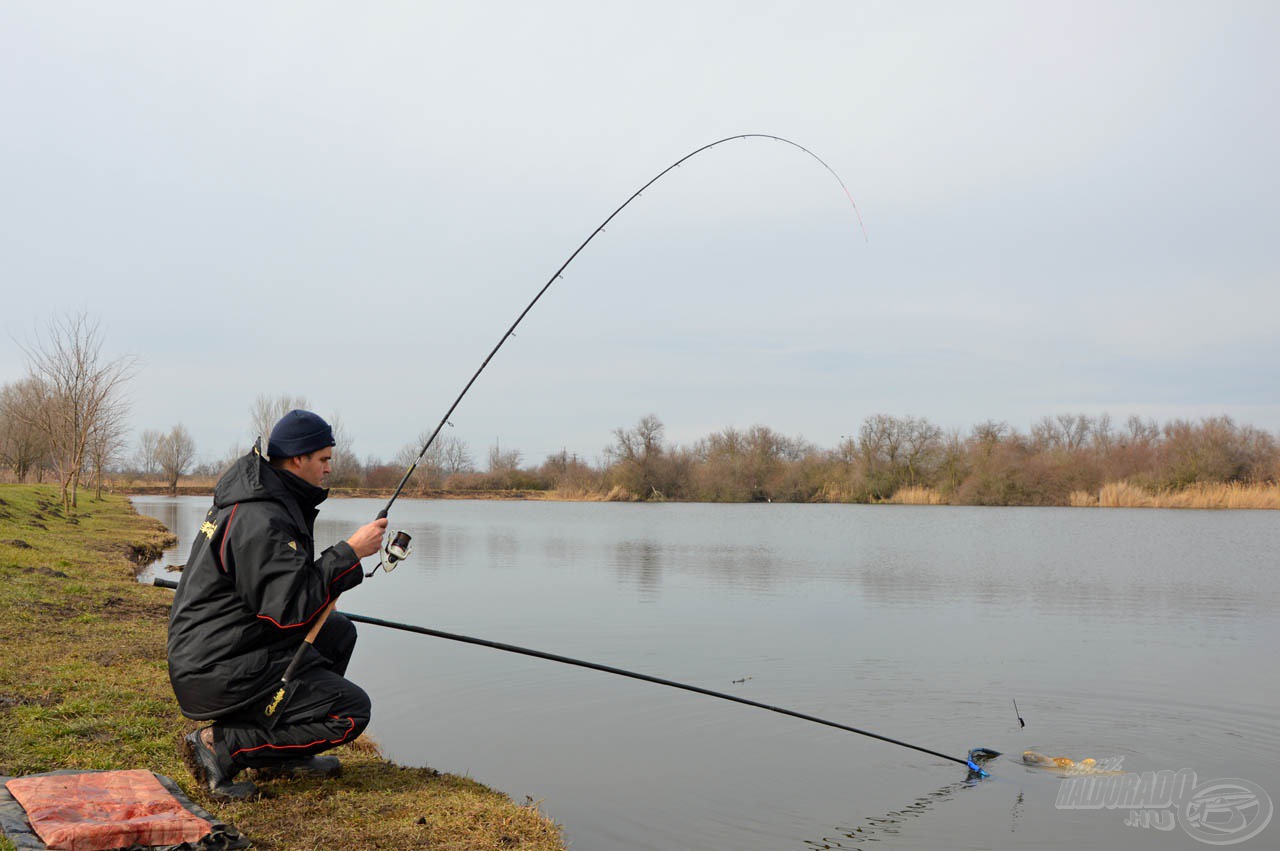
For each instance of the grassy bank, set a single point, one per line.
(83, 684)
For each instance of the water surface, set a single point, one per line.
(1141, 634)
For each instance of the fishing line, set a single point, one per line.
(510, 332)
(972, 762)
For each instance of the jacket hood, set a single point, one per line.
(250, 478)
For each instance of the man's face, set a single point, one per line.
(314, 468)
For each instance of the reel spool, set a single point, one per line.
(396, 550)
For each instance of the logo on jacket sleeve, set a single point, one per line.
(207, 529)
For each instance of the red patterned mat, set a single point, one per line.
(105, 809)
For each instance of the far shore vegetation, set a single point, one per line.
(84, 686)
(66, 422)
(1068, 460)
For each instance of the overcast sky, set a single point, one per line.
(1070, 208)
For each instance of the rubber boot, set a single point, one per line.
(213, 771)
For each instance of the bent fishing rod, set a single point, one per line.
(510, 332)
(398, 543)
(975, 756)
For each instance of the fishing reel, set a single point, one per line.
(396, 550)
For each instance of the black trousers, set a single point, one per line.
(324, 711)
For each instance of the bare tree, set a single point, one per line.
(744, 465)
(723, 458)
(447, 456)
(897, 452)
(233, 454)
(1065, 431)
(23, 447)
(846, 452)
(503, 460)
(1103, 434)
(106, 440)
(1141, 432)
(175, 453)
(345, 467)
(637, 444)
(636, 456)
(1075, 430)
(145, 458)
(564, 469)
(79, 386)
(453, 455)
(266, 411)
(880, 440)
(987, 435)
(922, 449)
(954, 465)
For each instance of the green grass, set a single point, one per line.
(83, 684)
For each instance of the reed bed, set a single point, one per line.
(1082, 499)
(1200, 495)
(915, 496)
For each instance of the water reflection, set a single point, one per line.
(501, 547)
(1090, 565)
(639, 565)
(166, 512)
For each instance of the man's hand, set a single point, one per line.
(367, 540)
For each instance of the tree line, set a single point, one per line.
(887, 456)
(991, 463)
(66, 421)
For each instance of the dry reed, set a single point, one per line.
(1124, 495)
(620, 494)
(1199, 495)
(915, 496)
(1229, 495)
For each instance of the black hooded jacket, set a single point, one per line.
(251, 588)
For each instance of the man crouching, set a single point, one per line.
(251, 589)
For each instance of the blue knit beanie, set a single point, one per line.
(298, 433)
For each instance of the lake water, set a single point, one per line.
(1141, 635)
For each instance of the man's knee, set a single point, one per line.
(337, 641)
(353, 702)
(354, 706)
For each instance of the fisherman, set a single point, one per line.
(251, 589)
